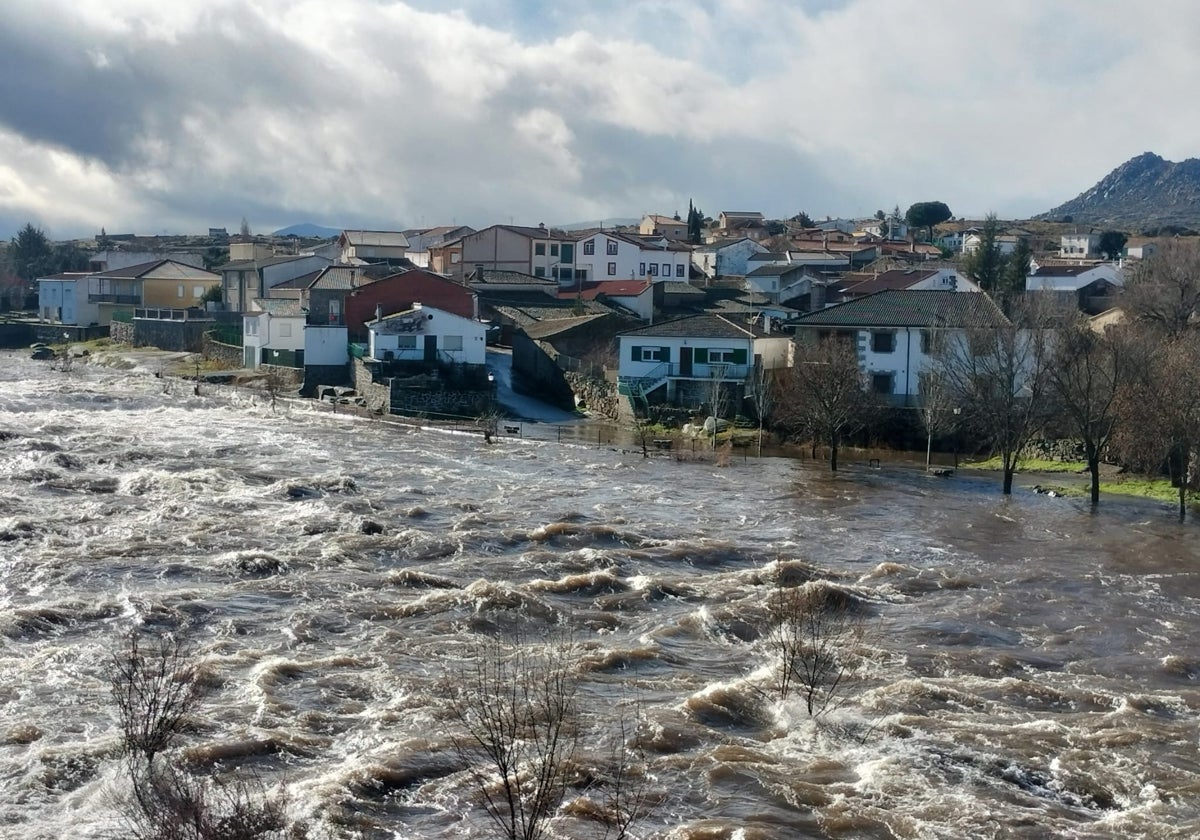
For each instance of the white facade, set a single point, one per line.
(1071, 279)
(947, 279)
(728, 259)
(604, 256)
(262, 331)
(65, 301)
(1004, 244)
(326, 345)
(654, 357)
(1079, 245)
(425, 333)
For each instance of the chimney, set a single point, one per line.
(378, 311)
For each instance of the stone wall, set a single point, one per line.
(597, 395)
(376, 394)
(16, 334)
(229, 354)
(433, 402)
(121, 333)
(288, 377)
(57, 333)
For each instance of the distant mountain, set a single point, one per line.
(1144, 192)
(307, 230)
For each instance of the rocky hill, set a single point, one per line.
(1144, 192)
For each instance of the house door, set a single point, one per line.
(685, 361)
(431, 348)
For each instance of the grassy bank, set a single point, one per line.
(1140, 486)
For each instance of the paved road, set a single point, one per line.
(499, 362)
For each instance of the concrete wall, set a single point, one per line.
(316, 376)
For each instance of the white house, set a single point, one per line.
(945, 279)
(725, 259)
(1082, 245)
(63, 299)
(606, 255)
(678, 361)
(1005, 243)
(273, 333)
(427, 334)
(1072, 278)
(895, 332)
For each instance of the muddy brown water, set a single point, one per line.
(1032, 668)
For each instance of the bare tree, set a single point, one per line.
(816, 633)
(824, 393)
(1159, 409)
(718, 397)
(1163, 291)
(762, 396)
(1085, 374)
(277, 383)
(938, 405)
(518, 724)
(997, 374)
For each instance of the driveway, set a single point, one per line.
(499, 362)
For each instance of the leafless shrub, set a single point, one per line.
(816, 632)
(155, 690)
(517, 715)
(154, 686)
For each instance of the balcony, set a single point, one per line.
(127, 300)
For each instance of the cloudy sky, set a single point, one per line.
(170, 116)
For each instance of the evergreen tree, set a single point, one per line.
(986, 264)
(695, 223)
(30, 253)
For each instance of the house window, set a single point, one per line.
(883, 383)
(563, 273)
(932, 342)
(285, 330)
(179, 291)
(612, 248)
(589, 247)
(251, 326)
(651, 354)
(197, 292)
(653, 269)
(406, 342)
(455, 257)
(539, 271)
(883, 342)
(452, 342)
(612, 269)
(554, 250)
(539, 249)
(666, 269)
(581, 274)
(568, 252)
(720, 356)
(642, 269)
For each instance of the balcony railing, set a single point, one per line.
(674, 370)
(133, 300)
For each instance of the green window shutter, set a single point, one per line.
(739, 356)
(666, 354)
(636, 354)
(700, 355)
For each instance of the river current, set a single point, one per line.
(1032, 667)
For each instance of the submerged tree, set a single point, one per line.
(518, 721)
(824, 394)
(997, 375)
(816, 632)
(154, 687)
(1085, 373)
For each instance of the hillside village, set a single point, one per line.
(672, 319)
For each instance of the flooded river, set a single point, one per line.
(1032, 669)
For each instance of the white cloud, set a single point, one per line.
(140, 114)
